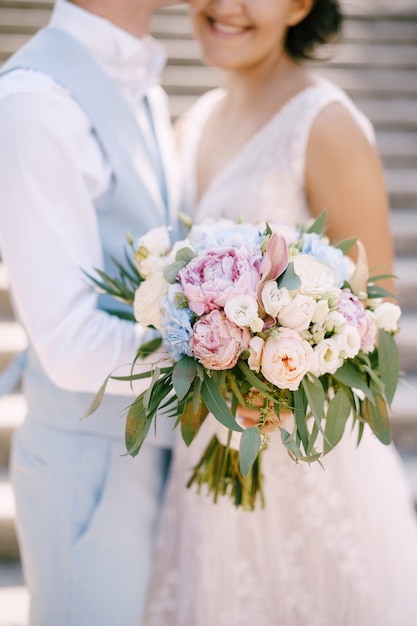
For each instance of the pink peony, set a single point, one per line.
(353, 311)
(216, 342)
(215, 275)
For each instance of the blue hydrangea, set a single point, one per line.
(177, 329)
(225, 233)
(333, 257)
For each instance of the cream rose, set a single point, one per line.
(298, 313)
(156, 241)
(286, 358)
(316, 277)
(147, 302)
(387, 316)
(256, 345)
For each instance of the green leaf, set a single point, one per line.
(171, 271)
(388, 363)
(349, 375)
(346, 244)
(300, 412)
(377, 417)
(319, 223)
(315, 396)
(148, 348)
(250, 444)
(137, 426)
(191, 421)
(289, 278)
(121, 314)
(183, 375)
(337, 414)
(254, 381)
(374, 291)
(185, 255)
(147, 395)
(97, 400)
(215, 403)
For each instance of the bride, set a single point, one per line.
(335, 546)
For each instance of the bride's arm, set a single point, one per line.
(344, 175)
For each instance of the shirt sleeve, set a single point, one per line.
(48, 235)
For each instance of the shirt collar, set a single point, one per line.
(135, 64)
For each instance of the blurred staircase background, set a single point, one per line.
(376, 63)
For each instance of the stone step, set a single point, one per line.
(9, 548)
(13, 341)
(398, 148)
(14, 597)
(404, 231)
(407, 343)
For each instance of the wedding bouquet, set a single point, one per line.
(268, 316)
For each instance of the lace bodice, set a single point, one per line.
(266, 179)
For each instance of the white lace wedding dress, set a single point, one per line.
(334, 546)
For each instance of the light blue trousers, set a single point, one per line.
(86, 522)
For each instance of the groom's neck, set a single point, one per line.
(131, 15)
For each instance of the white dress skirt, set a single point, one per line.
(335, 545)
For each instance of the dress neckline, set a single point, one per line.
(253, 139)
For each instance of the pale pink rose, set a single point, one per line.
(217, 274)
(349, 341)
(216, 342)
(256, 345)
(368, 339)
(242, 310)
(286, 358)
(298, 313)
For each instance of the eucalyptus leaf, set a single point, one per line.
(137, 427)
(148, 348)
(191, 421)
(216, 404)
(346, 244)
(171, 271)
(147, 395)
(300, 412)
(97, 400)
(315, 396)
(183, 376)
(388, 363)
(349, 375)
(289, 279)
(377, 417)
(185, 255)
(250, 444)
(338, 411)
(319, 223)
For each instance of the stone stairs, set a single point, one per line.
(376, 62)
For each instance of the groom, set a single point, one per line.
(86, 155)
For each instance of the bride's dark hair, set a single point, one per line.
(320, 26)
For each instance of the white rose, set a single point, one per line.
(256, 345)
(155, 241)
(298, 313)
(286, 358)
(150, 265)
(316, 278)
(327, 357)
(349, 341)
(147, 302)
(242, 310)
(387, 316)
(273, 299)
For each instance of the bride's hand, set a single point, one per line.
(250, 415)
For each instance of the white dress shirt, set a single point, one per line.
(54, 177)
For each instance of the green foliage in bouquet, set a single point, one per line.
(357, 383)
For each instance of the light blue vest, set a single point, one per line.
(130, 209)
